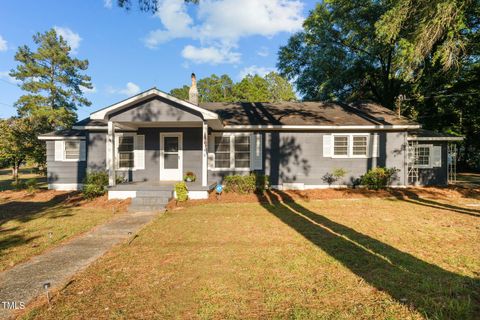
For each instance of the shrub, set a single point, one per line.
(246, 184)
(181, 191)
(31, 185)
(378, 178)
(189, 177)
(18, 185)
(95, 184)
(330, 178)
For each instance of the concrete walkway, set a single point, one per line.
(24, 282)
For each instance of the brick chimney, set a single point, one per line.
(193, 92)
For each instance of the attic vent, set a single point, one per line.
(380, 118)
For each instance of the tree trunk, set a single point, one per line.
(15, 172)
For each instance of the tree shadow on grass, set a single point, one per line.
(24, 211)
(412, 197)
(434, 292)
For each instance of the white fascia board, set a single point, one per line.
(102, 114)
(89, 127)
(435, 138)
(59, 138)
(313, 127)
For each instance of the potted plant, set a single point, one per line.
(189, 177)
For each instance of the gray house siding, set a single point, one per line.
(297, 157)
(438, 175)
(156, 110)
(63, 172)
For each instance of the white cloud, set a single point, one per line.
(73, 39)
(107, 4)
(86, 90)
(3, 44)
(220, 24)
(211, 55)
(5, 75)
(263, 52)
(129, 90)
(253, 70)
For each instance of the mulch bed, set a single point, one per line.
(327, 194)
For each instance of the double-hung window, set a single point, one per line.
(350, 145)
(126, 157)
(340, 146)
(72, 150)
(222, 152)
(359, 146)
(423, 155)
(232, 151)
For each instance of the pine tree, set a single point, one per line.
(53, 80)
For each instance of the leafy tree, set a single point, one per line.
(17, 141)
(53, 80)
(337, 55)
(279, 89)
(428, 28)
(252, 88)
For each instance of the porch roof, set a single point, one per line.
(428, 135)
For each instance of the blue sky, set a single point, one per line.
(132, 51)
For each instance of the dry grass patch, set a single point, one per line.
(33, 223)
(286, 258)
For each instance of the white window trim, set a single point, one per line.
(430, 152)
(350, 145)
(65, 152)
(117, 155)
(232, 151)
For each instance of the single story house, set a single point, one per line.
(152, 139)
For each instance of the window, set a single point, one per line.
(340, 145)
(359, 145)
(126, 152)
(72, 150)
(232, 151)
(222, 152)
(242, 152)
(423, 156)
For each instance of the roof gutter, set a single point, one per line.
(60, 138)
(414, 138)
(314, 127)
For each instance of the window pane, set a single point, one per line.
(170, 161)
(72, 150)
(125, 144)
(171, 144)
(125, 160)
(125, 152)
(423, 156)
(222, 152)
(340, 147)
(359, 146)
(242, 152)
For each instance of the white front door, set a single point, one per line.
(171, 156)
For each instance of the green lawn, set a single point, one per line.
(24, 174)
(290, 259)
(31, 224)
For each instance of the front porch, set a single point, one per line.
(159, 188)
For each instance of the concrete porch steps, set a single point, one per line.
(150, 200)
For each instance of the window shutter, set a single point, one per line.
(211, 151)
(437, 156)
(83, 150)
(256, 160)
(59, 150)
(139, 152)
(374, 148)
(327, 145)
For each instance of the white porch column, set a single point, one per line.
(111, 153)
(204, 153)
